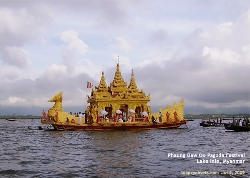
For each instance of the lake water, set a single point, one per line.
(148, 153)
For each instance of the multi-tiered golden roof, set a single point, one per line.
(118, 96)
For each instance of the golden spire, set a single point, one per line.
(132, 86)
(118, 84)
(102, 85)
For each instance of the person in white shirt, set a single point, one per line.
(107, 119)
(120, 120)
(80, 118)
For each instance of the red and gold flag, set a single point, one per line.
(89, 85)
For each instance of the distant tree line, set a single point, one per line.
(199, 116)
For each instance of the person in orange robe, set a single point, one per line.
(56, 116)
(167, 117)
(176, 116)
(44, 114)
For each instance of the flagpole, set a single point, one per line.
(86, 104)
(88, 83)
(86, 98)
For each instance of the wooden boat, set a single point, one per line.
(35, 128)
(12, 119)
(212, 123)
(237, 128)
(48, 128)
(110, 106)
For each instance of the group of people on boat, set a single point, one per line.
(210, 122)
(88, 118)
(168, 119)
(45, 117)
(218, 122)
(131, 118)
(239, 122)
(77, 118)
(238, 125)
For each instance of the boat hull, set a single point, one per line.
(12, 119)
(212, 125)
(237, 128)
(115, 125)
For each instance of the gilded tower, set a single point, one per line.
(102, 87)
(118, 85)
(132, 85)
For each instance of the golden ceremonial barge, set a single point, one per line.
(115, 107)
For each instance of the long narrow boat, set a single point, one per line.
(237, 128)
(213, 124)
(12, 119)
(117, 107)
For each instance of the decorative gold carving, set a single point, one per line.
(58, 102)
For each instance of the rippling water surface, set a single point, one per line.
(146, 153)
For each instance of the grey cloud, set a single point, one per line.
(43, 87)
(109, 12)
(190, 78)
(160, 38)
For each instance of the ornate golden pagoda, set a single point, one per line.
(117, 96)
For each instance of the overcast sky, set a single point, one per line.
(198, 50)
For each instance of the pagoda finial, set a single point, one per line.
(102, 85)
(132, 86)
